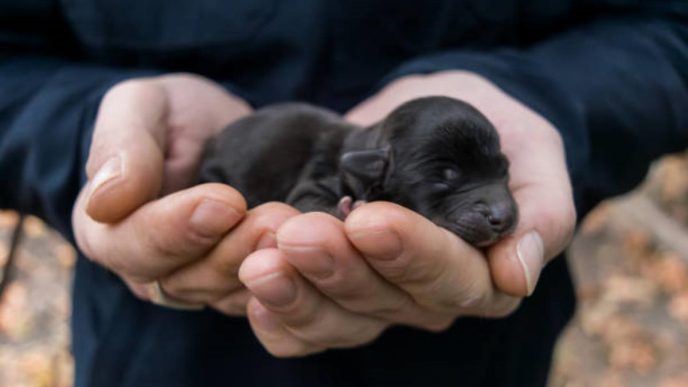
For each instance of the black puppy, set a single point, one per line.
(437, 156)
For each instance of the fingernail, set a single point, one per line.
(378, 244)
(274, 289)
(530, 254)
(111, 169)
(311, 261)
(213, 218)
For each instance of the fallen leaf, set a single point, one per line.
(678, 307)
(636, 355)
(670, 272)
(37, 366)
(596, 220)
(15, 319)
(4, 254)
(621, 289)
(8, 219)
(65, 254)
(676, 381)
(637, 242)
(611, 379)
(594, 320)
(34, 227)
(620, 328)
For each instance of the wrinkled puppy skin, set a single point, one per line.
(437, 156)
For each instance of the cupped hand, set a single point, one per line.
(331, 284)
(136, 214)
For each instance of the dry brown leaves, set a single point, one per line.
(631, 328)
(34, 308)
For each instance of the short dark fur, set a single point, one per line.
(437, 156)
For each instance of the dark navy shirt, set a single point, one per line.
(611, 75)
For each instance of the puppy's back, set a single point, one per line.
(263, 154)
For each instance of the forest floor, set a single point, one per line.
(629, 261)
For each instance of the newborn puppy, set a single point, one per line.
(437, 156)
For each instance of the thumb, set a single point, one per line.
(163, 234)
(126, 158)
(547, 220)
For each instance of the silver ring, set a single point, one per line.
(158, 297)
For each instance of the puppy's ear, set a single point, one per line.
(368, 166)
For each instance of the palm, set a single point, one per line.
(538, 177)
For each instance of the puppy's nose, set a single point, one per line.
(501, 218)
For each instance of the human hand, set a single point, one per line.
(136, 215)
(333, 284)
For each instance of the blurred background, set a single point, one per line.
(629, 261)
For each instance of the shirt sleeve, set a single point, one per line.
(616, 87)
(47, 109)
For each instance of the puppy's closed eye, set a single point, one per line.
(451, 174)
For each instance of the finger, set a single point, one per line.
(163, 234)
(316, 245)
(301, 309)
(547, 215)
(125, 165)
(233, 304)
(274, 336)
(198, 108)
(216, 275)
(439, 270)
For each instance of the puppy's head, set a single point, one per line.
(441, 158)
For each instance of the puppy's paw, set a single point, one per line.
(344, 207)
